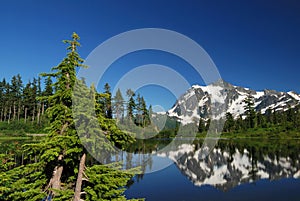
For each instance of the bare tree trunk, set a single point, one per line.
(55, 181)
(33, 114)
(78, 193)
(5, 113)
(22, 160)
(19, 111)
(14, 114)
(9, 114)
(25, 114)
(43, 108)
(38, 114)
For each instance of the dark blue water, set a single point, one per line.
(170, 184)
(247, 174)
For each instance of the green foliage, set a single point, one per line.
(278, 124)
(250, 111)
(131, 106)
(272, 124)
(20, 128)
(106, 182)
(142, 117)
(229, 123)
(21, 105)
(107, 102)
(53, 172)
(23, 183)
(118, 106)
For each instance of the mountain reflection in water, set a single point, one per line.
(230, 164)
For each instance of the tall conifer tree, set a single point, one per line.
(59, 168)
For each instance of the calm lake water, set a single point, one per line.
(234, 170)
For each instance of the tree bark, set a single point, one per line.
(9, 114)
(43, 108)
(55, 181)
(79, 178)
(33, 114)
(19, 111)
(38, 113)
(4, 117)
(15, 111)
(25, 115)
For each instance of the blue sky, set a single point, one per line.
(254, 44)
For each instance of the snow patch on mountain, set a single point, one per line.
(215, 93)
(294, 95)
(214, 100)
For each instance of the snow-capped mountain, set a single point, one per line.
(214, 100)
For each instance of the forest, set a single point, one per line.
(23, 107)
(59, 167)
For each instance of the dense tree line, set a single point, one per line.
(19, 102)
(287, 120)
(27, 104)
(284, 120)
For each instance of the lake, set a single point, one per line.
(239, 169)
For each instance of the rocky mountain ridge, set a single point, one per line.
(215, 100)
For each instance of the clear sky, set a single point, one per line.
(254, 44)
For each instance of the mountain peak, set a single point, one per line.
(197, 102)
(222, 83)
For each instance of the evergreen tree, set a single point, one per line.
(118, 106)
(269, 116)
(26, 100)
(261, 120)
(34, 95)
(3, 99)
(240, 124)
(275, 115)
(63, 147)
(131, 105)
(107, 103)
(250, 111)
(145, 113)
(139, 107)
(48, 91)
(100, 103)
(16, 95)
(59, 169)
(7, 101)
(142, 117)
(229, 124)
